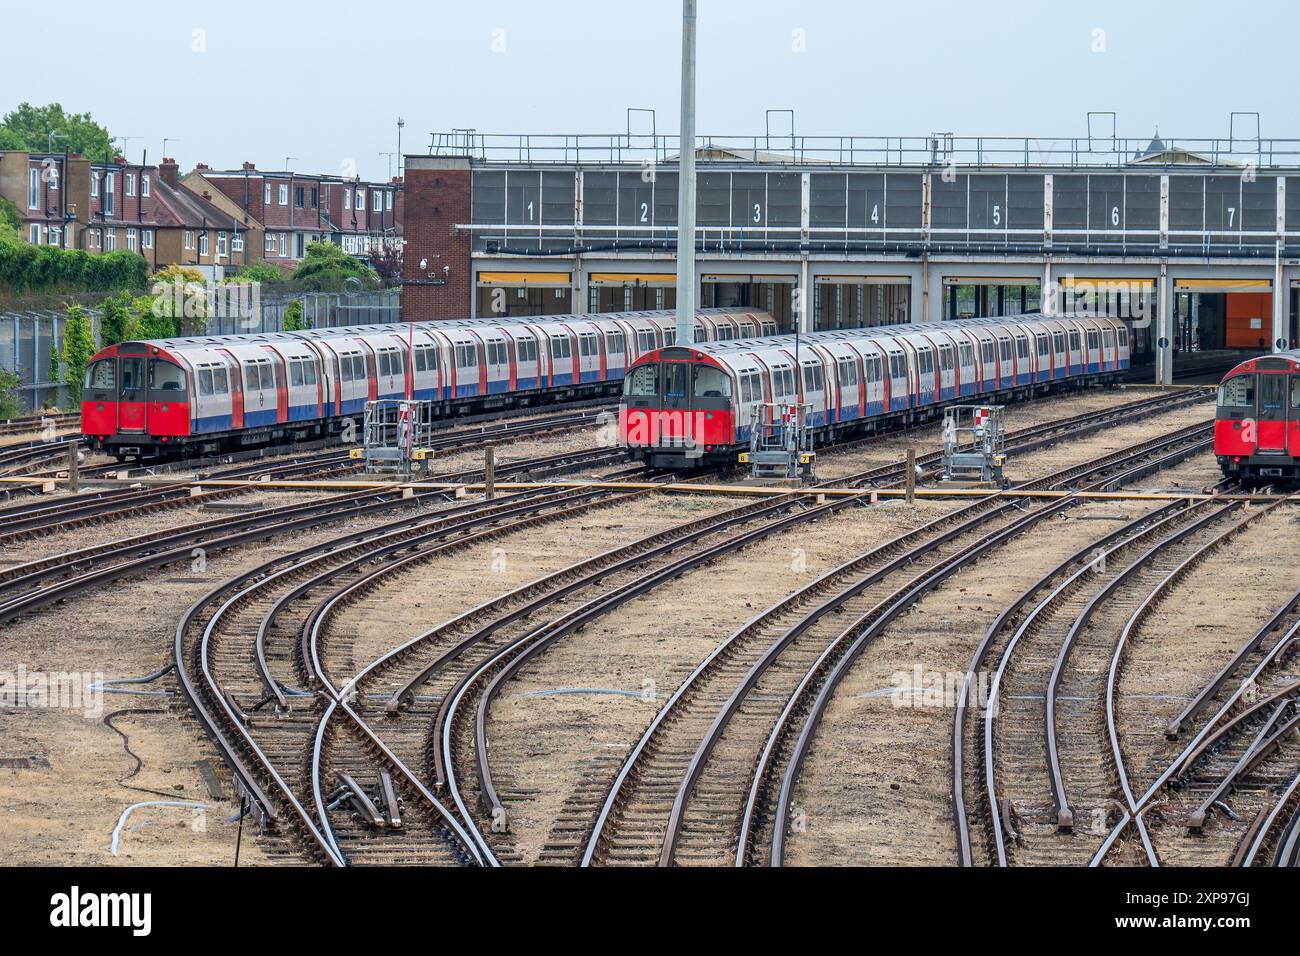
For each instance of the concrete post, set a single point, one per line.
(910, 477)
(489, 472)
(1165, 329)
(1281, 300)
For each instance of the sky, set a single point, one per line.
(324, 82)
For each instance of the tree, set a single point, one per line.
(387, 263)
(78, 347)
(11, 405)
(11, 224)
(258, 272)
(326, 268)
(294, 320)
(29, 127)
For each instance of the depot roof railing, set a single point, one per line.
(638, 149)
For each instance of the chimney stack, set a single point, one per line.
(248, 165)
(169, 171)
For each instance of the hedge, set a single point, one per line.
(28, 268)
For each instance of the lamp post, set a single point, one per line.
(686, 186)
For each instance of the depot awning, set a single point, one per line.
(1108, 283)
(861, 280)
(540, 280)
(1223, 285)
(993, 280)
(653, 279)
(747, 279)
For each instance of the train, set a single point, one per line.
(1257, 420)
(687, 408)
(214, 393)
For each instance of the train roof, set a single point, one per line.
(1275, 361)
(219, 341)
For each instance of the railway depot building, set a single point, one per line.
(1195, 242)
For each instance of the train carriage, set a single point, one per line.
(686, 407)
(1257, 420)
(212, 393)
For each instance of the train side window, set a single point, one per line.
(614, 343)
(220, 383)
(711, 382)
(643, 382)
(1074, 341)
(165, 376)
(560, 348)
(1123, 337)
(1092, 340)
(1295, 391)
(345, 368)
(308, 372)
(1022, 347)
(205, 381)
(102, 374)
(966, 354)
(295, 372)
(1238, 392)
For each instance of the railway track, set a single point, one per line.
(244, 669)
(95, 507)
(1035, 437)
(1029, 768)
(358, 767)
(460, 719)
(741, 723)
(39, 423)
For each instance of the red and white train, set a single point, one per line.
(1257, 420)
(204, 394)
(686, 408)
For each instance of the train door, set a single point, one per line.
(281, 390)
(512, 362)
(1272, 415)
(1294, 427)
(372, 375)
(131, 406)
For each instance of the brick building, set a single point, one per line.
(295, 209)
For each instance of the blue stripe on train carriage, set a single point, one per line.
(213, 423)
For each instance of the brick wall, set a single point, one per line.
(437, 197)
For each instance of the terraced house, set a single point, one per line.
(295, 209)
(69, 202)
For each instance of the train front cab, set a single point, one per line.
(1257, 420)
(135, 400)
(677, 410)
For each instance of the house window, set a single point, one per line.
(108, 194)
(268, 246)
(203, 243)
(300, 241)
(221, 244)
(130, 239)
(33, 189)
(52, 176)
(388, 200)
(299, 195)
(144, 187)
(147, 238)
(361, 200)
(284, 195)
(130, 184)
(347, 199)
(236, 243)
(53, 234)
(189, 239)
(112, 239)
(315, 197)
(94, 185)
(266, 194)
(284, 244)
(378, 201)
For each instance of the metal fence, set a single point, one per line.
(937, 149)
(28, 336)
(27, 340)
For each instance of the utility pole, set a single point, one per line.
(686, 185)
(400, 123)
